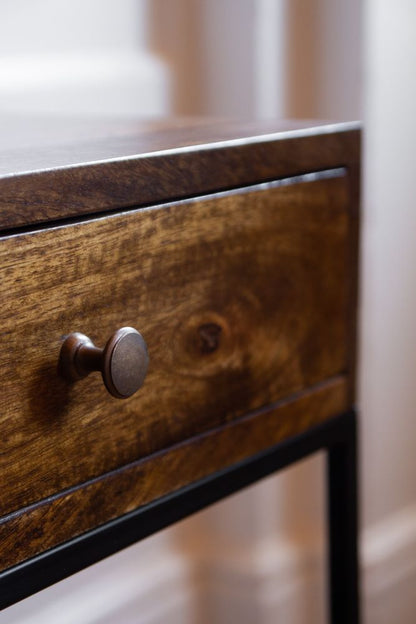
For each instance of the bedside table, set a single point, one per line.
(209, 271)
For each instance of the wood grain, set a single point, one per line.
(53, 521)
(122, 165)
(242, 299)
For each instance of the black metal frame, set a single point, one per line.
(337, 436)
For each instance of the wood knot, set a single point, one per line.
(204, 345)
(209, 337)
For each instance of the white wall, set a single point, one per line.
(388, 362)
(388, 333)
(79, 57)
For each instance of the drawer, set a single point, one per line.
(242, 298)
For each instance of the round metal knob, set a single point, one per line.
(123, 362)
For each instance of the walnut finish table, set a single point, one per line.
(231, 250)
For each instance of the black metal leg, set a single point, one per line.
(343, 526)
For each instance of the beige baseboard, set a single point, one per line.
(284, 581)
(389, 570)
(146, 584)
(264, 583)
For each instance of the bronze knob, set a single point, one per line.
(123, 362)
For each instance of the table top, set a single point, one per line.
(53, 168)
(29, 144)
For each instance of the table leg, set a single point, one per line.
(343, 526)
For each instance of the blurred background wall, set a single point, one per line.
(257, 557)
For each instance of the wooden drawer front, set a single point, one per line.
(241, 297)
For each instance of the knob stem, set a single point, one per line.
(88, 359)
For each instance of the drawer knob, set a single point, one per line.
(123, 362)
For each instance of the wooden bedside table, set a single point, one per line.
(232, 249)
